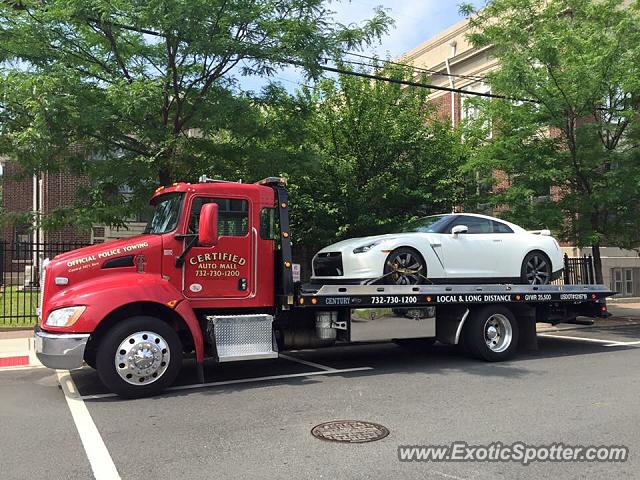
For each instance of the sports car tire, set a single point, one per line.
(404, 266)
(536, 269)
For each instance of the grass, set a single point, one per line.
(17, 308)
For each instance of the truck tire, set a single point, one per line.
(90, 358)
(491, 333)
(139, 357)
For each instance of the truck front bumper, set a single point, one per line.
(64, 351)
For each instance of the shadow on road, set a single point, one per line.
(384, 358)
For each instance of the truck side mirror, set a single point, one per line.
(208, 225)
(458, 229)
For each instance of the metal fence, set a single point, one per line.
(578, 270)
(20, 265)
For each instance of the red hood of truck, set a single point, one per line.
(103, 251)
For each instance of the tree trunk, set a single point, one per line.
(164, 176)
(597, 262)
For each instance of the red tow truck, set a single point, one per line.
(213, 277)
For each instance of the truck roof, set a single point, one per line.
(214, 187)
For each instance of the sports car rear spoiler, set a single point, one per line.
(544, 232)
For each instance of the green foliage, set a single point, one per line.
(378, 158)
(138, 92)
(575, 63)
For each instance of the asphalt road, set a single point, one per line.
(579, 392)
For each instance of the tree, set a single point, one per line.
(572, 137)
(139, 92)
(376, 157)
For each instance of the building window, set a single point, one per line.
(623, 281)
(470, 111)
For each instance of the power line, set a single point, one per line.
(410, 83)
(418, 69)
(341, 71)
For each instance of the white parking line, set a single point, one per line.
(606, 343)
(97, 453)
(622, 344)
(582, 339)
(307, 363)
(240, 380)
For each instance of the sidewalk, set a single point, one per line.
(17, 350)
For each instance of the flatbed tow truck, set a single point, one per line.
(213, 277)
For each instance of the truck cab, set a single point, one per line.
(171, 272)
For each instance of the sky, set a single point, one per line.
(415, 22)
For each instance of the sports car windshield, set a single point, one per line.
(166, 215)
(432, 224)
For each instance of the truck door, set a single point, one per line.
(224, 270)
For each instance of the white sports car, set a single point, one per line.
(455, 248)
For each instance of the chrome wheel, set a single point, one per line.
(498, 333)
(537, 270)
(404, 268)
(142, 358)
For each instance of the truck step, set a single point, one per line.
(242, 337)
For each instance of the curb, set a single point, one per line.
(19, 359)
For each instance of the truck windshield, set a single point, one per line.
(166, 215)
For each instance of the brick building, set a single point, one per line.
(459, 65)
(23, 244)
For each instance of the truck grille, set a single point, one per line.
(328, 265)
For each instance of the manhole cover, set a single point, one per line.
(349, 431)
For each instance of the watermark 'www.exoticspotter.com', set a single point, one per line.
(516, 452)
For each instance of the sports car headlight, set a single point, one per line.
(64, 317)
(367, 247)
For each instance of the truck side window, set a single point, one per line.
(268, 224)
(233, 216)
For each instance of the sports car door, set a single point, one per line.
(472, 254)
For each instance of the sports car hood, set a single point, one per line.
(348, 245)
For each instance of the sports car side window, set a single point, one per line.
(499, 227)
(475, 224)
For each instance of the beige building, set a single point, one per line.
(456, 64)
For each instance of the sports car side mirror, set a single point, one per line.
(458, 229)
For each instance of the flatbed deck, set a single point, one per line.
(385, 296)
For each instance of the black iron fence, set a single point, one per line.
(20, 266)
(21, 263)
(578, 270)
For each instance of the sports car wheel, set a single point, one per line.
(404, 266)
(536, 269)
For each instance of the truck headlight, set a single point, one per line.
(367, 247)
(64, 317)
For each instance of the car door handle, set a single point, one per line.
(497, 240)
